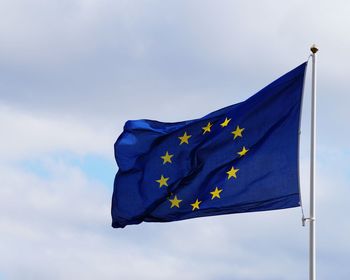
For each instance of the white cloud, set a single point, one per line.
(59, 228)
(30, 135)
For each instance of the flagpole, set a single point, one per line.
(312, 256)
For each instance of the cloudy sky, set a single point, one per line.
(73, 71)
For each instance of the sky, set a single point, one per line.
(72, 72)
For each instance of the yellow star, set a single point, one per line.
(237, 132)
(184, 138)
(207, 128)
(232, 173)
(216, 193)
(195, 205)
(225, 123)
(243, 152)
(162, 181)
(175, 202)
(167, 158)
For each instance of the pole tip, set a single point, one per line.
(314, 49)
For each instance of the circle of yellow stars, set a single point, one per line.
(185, 139)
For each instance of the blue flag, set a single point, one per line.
(241, 158)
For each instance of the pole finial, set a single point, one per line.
(314, 49)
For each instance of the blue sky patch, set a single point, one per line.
(97, 168)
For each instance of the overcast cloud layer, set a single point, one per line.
(72, 72)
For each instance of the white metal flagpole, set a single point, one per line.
(312, 260)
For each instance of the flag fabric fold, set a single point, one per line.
(241, 158)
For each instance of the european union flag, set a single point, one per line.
(241, 158)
